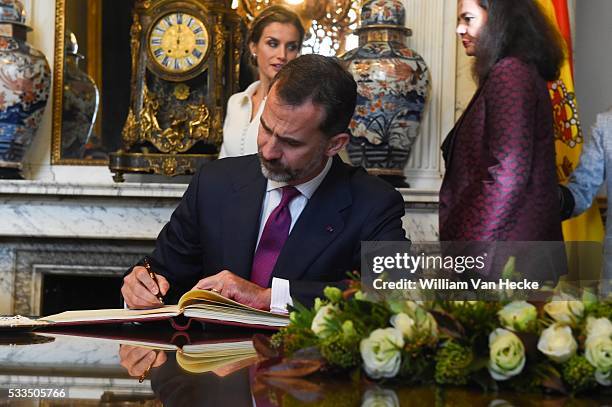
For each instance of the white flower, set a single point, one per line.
(603, 379)
(517, 315)
(506, 354)
(381, 353)
(320, 321)
(558, 343)
(565, 310)
(598, 327)
(404, 323)
(598, 351)
(380, 398)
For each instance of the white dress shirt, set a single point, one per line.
(281, 295)
(239, 131)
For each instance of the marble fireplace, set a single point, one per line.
(72, 241)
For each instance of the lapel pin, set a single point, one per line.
(329, 228)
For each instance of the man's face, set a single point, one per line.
(291, 147)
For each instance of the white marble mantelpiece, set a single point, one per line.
(138, 211)
(45, 209)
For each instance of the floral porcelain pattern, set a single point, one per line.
(383, 12)
(24, 89)
(393, 85)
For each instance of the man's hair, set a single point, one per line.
(324, 82)
(518, 28)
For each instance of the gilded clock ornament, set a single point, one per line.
(178, 44)
(183, 72)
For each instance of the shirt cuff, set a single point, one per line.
(281, 295)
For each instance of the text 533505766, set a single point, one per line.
(31, 393)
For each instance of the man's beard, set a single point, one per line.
(275, 171)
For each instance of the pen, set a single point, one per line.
(147, 265)
(143, 376)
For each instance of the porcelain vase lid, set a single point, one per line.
(12, 12)
(383, 12)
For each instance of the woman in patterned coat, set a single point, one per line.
(500, 182)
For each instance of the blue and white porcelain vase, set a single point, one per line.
(25, 79)
(80, 105)
(392, 85)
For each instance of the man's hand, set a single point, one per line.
(140, 291)
(138, 360)
(238, 289)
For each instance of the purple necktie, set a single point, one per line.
(273, 238)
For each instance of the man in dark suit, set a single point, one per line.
(282, 224)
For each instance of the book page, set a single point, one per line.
(118, 314)
(204, 296)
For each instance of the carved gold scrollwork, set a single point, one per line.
(220, 68)
(186, 127)
(130, 130)
(170, 166)
(135, 32)
(236, 57)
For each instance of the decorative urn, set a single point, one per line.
(392, 85)
(80, 105)
(24, 88)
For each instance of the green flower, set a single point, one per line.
(506, 354)
(579, 373)
(333, 294)
(341, 351)
(452, 363)
(518, 315)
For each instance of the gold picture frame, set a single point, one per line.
(93, 70)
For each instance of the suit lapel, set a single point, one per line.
(319, 224)
(241, 220)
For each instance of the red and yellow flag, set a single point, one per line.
(568, 134)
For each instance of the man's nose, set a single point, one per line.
(270, 150)
(461, 29)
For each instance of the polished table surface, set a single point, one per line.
(98, 366)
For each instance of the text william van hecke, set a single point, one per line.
(447, 284)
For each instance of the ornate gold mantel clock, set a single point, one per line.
(185, 64)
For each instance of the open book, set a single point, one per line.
(220, 354)
(201, 305)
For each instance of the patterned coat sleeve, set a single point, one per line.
(510, 106)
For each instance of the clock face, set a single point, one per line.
(178, 42)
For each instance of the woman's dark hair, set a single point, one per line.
(518, 28)
(274, 14)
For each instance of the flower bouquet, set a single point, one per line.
(562, 346)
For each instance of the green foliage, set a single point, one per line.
(417, 367)
(454, 350)
(478, 318)
(341, 351)
(579, 374)
(600, 309)
(452, 363)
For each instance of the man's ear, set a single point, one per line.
(336, 143)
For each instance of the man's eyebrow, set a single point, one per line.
(264, 125)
